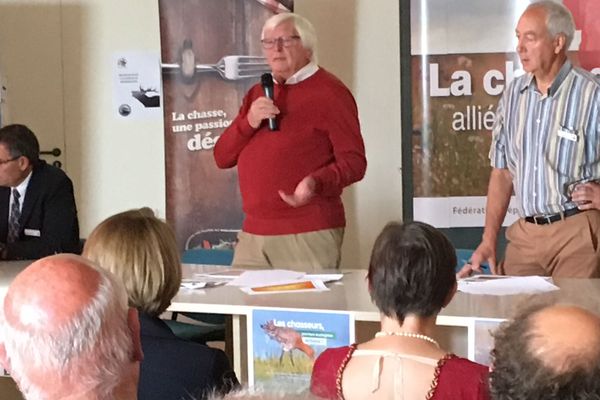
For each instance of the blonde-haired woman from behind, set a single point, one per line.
(140, 249)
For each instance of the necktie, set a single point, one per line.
(13, 220)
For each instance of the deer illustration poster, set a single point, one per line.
(210, 56)
(284, 345)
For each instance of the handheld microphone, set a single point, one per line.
(267, 83)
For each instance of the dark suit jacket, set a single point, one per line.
(175, 369)
(48, 223)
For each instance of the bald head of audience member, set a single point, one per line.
(67, 332)
(549, 352)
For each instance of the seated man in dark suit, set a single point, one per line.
(38, 216)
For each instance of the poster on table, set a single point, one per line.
(210, 56)
(463, 56)
(283, 345)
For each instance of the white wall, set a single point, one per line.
(30, 49)
(115, 164)
(118, 165)
(359, 41)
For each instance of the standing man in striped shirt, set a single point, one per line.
(545, 143)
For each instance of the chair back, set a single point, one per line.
(207, 256)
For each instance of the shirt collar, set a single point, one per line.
(303, 73)
(560, 77)
(22, 187)
(558, 80)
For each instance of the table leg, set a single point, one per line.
(240, 347)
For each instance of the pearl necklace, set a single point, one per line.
(408, 334)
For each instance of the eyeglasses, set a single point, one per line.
(286, 41)
(2, 162)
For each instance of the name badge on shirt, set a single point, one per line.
(32, 232)
(568, 134)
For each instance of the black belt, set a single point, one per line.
(551, 218)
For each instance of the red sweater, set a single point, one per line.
(319, 135)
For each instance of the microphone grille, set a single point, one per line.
(266, 79)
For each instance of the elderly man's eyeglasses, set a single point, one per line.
(286, 41)
(2, 162)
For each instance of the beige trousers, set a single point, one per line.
(564, 249)
(308, 252)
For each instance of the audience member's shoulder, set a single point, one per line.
(330, 360)
(333, 356)
(460, 364)
(220, 359)
(458, 376)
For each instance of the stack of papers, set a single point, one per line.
(266, 281)
(500, 285)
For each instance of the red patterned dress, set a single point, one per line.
(454, 377)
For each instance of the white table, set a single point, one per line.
(351, 295)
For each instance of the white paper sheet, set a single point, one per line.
(502, 286)
(324, 277)
(265, 277)
(227, 273)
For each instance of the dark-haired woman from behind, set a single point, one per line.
(411, 278)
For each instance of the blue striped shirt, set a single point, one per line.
(548, 141)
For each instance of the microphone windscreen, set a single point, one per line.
(266, 80)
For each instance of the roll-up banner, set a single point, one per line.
(463, 56)
(210, 57)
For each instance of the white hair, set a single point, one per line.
(559, 19)
(305, 29)
(91, 350)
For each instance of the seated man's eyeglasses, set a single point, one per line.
(9, 160)
(286, 41)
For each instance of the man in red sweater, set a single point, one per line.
(291, 180)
